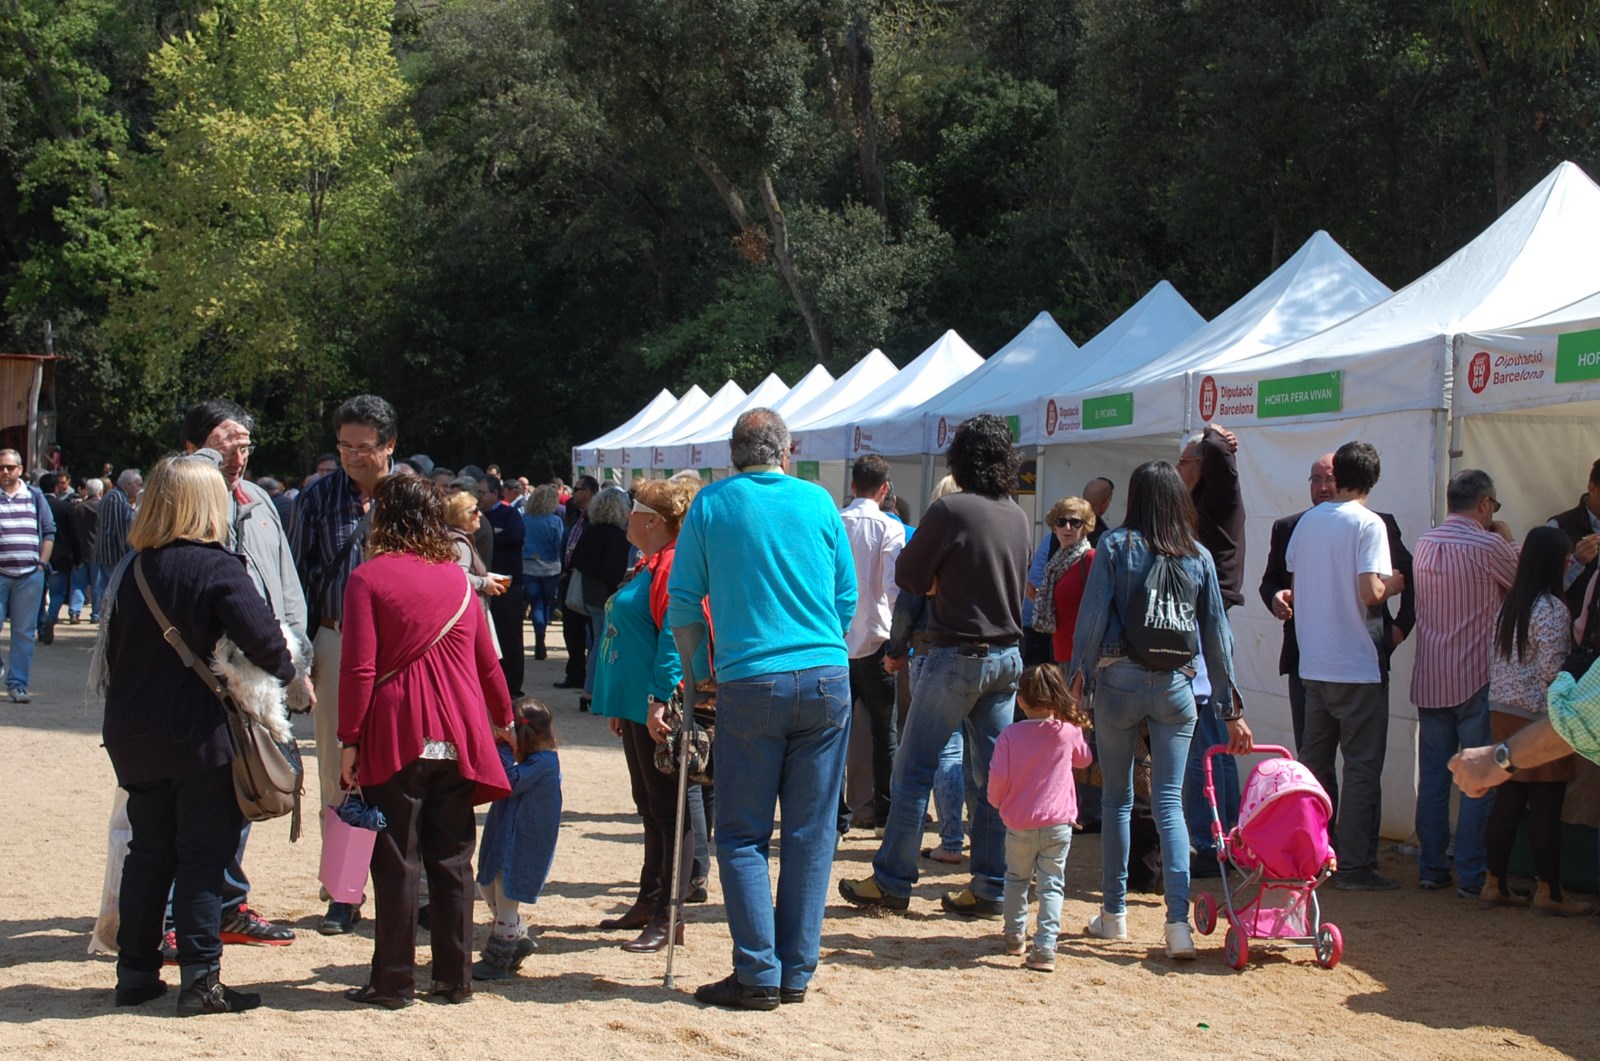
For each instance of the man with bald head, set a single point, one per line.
(1387, 632)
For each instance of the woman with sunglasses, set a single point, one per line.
(1055, 612)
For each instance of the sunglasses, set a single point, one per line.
(1069, 521)
(10, 467)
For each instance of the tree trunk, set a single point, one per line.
(866, 116)
(777, 243)
(1499, 126)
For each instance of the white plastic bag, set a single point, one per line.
(103, 940)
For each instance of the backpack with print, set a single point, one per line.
(1159, 631)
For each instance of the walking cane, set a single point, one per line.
(675, 900)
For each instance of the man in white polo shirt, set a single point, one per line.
(27, 536)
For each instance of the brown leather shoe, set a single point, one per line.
(637, 915)
(654, 936)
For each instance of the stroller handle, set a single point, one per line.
(1222, 749)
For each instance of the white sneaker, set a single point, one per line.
(1180, 943)
(1016, 946)
(1106, 925)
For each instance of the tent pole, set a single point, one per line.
(1038, 490)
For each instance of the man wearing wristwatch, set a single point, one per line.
(1572, 725)
(27, 536)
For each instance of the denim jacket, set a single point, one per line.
(1120, 564)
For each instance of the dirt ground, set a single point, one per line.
(1424, 974)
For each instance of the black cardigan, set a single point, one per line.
(161, 721)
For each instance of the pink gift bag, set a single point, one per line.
(346, 857)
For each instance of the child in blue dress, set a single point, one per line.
(519, 838)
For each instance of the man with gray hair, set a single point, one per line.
(116, 516)
(768, 553)
(27, 537)
(1463, 568)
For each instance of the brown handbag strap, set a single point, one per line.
(173, 637)
(449, 626)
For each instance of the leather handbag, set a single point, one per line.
(697, 739)
(267, 775)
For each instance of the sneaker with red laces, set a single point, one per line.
(169, 948)
(244, 925)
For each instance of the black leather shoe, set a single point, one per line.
(729, 993)
(791, 996)
(564, 684)
(205, 993)
(140, 994)
(368, 997)
(340, 919)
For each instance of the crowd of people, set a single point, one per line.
(855, 669)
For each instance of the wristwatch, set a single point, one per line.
(1502, 758)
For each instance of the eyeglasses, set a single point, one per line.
(1069, 521)
(1186, 460)
(10, 467)
(1323, 480)
(1493, 501)
(364, 450)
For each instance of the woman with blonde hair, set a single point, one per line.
(637, 672)
(463, 517)
(167, 733)
(1066, 573)
(542, 536)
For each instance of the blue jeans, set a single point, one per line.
(597, 631)
(1036, 854)
(976, 694)
(80, 589)
(1441, 732)
(56, 585)
(1125, 695)
(98, 577)
(780, 740)
(541, 590)
(19, 602)
(1209, 730)
(949, 784)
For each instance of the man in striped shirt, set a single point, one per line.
(27, 535)
(116, 516)
(1463, 568)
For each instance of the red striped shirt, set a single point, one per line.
(1462, 573)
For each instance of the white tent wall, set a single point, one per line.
(1539, 459)
(1064, 470)
(1274, 462)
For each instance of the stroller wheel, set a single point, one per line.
(1330, 946)
(1236, 949)
(1205, 913)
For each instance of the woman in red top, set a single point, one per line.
(1056, 610)
(418, 687)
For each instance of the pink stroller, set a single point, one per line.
(1282, 852)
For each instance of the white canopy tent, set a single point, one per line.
(839, 436)
(584, 455)
(641, 452)
(1526, 399)
(811, 387)
(1145, 331)
(1004, 382)
(1382, 376)
(611, 456)
(687, 450)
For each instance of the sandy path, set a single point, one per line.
(1425, 975)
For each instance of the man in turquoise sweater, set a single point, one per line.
(768, 554)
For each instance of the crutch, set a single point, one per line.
(675, 900)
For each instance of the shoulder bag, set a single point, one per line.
(266, 775)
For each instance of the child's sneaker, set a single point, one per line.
(1180, 943)
(1106, 925)
(1041, 960)
(1016, 945)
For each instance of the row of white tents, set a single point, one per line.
(1490, 360)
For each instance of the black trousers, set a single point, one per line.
(574, 636)
(509, 609)
(874, 687)
(655, 796)
(185, 832)
(1543, 800)
(431, 830)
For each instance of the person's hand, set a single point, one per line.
(1475, 771)
(348, 764)
(493, 587)
(656, 723)
(615, 725)
(311, 694)
(1399, 636)
(895, 664)
(1587, 549)
(1075, 688)
(1283, 604)
(1502, 528)
(1240, 740)
(504, 735)
(1395, 583)
(1229, 439)
(1030, 591)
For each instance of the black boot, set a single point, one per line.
(538, 648)
(654, 936)
(495, 964)
(203, 992)
(638, 914)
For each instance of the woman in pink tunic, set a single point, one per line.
(419, 686)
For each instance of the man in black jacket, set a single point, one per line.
(1582, 524)
(1387, 631)
(58, 579)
